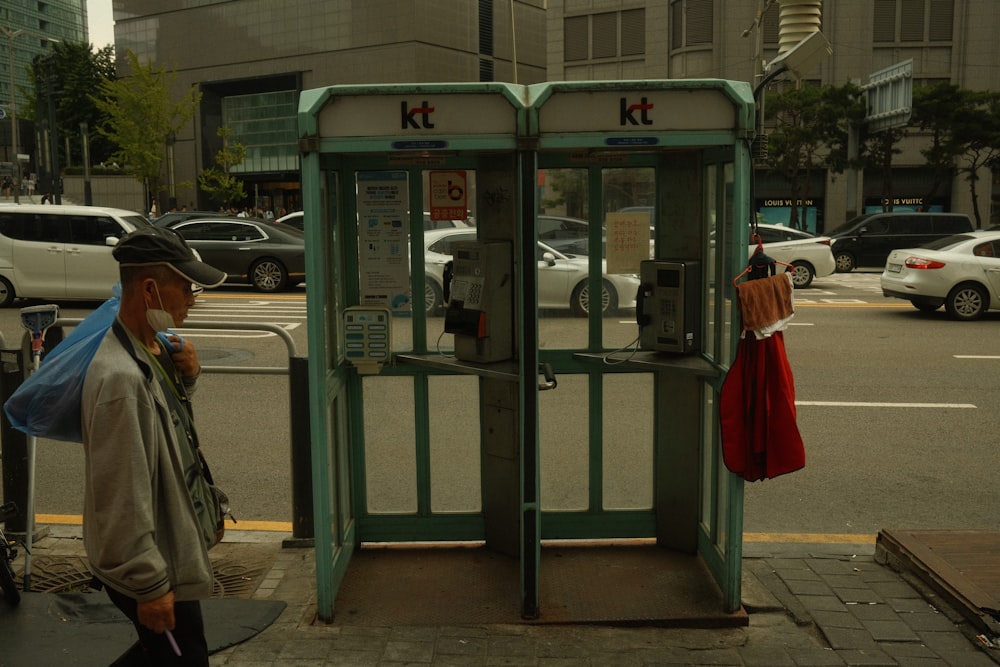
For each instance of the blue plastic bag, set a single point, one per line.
(47, 404)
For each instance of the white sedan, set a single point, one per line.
(962, 272)
(562, 278)
(810, 256)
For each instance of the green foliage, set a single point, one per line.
(141, 115)
(810, 133)
(218, 183)
(75, 71)
(964, 130)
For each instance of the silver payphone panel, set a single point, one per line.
(480, 311)
(669, 305)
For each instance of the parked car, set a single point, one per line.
(809, 255)
(867, 240)
(296, 219)
(267, 255)
(962, 272)
(60, 252)
(562, 278)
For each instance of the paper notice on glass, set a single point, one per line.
(628, 240)
(383, 239)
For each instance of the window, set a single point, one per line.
(908, 21)
(219, 231)
(691, 23)
(266, 124)
(604, 35)
(92, 230)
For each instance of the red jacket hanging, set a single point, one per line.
(760, 437)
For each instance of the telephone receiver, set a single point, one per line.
(449, 272)
(641, 318)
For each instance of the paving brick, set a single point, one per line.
(836, 619)
(822, 602)
(808, 588)
(874, 612)
(890, 631)
(816, 657)
(858, 595)
(867, 657)
(849, 638)
(845, 581)
(895, 589)
(929, 622)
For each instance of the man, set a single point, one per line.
(150, 513)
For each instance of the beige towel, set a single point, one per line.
(765, 301)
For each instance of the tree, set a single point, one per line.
(218, 183)
(75, 71)
(140, 116)
(977, 130)
(934, 108)
(810, 133)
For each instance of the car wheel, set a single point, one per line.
(845, 262)
(433, 298)
(925, 307)
(6, 293)
(802, 274)
(268, 275)
(580, 301)
(966, 302)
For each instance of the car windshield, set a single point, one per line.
(948, 242)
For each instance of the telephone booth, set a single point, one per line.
(483, 261)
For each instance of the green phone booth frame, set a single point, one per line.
(696, 135)
(514, 127)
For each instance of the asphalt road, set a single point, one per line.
(899, 412)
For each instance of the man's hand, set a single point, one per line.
(186, 358)
(158, 614)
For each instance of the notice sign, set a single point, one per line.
(383, 233)
(449, 195)
(628, 240)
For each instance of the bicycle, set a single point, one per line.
(8, 552)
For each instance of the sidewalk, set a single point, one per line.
(806, 607)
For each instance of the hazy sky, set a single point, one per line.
(100, 23)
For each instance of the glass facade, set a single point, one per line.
(265, 124)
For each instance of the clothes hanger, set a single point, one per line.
(760, 261)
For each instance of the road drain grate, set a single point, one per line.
(65, 574)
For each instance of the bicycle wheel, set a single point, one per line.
(7, 584)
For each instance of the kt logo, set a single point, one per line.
(408, 116)
(627, 116)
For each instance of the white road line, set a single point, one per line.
(853, 404)
(976, 356)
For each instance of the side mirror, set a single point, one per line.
(549, 259)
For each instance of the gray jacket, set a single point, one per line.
(140, 530)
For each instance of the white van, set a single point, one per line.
(60, 252)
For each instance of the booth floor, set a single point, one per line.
(619, 585)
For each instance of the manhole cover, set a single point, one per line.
(66, 574)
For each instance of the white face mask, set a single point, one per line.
(158, 318)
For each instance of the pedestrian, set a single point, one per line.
(151, 512)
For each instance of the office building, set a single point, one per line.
(250, 58)
(27, 29)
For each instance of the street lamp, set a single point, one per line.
(11, 35)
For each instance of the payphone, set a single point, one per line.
(480, 309)
(667, 305)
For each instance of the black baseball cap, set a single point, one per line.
(147, 246)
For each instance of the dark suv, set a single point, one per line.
(867, 240)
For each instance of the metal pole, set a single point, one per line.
(88, 194)
(37, 320)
